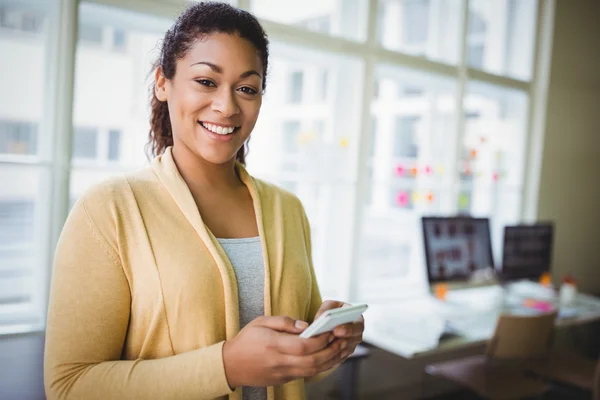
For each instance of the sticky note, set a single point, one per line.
(402, 199)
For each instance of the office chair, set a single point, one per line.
(497, 374)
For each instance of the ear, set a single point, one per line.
(160, 85)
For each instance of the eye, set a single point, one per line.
(248, 90)
(206, 82)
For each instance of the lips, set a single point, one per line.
(226, 135)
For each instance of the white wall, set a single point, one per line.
(569, 190)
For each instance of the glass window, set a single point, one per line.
(421, 27)
(119, 39)
(405, 142)
(90, 34)
(24, 172)
(114, 144)
(291, 131)
(117, 83)
(501, 36)
(18, 137)
(345, 18)
(296, 86)
(491, 163)
(410, 176)
(85, 143)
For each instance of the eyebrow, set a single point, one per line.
(219, 70)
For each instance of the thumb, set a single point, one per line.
(282, 324)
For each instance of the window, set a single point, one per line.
(21, 19)
(85, 143)
(411, 175)
(116, 82)
(119, 39)
(501, 36)
(291, 131)
(296, 87)
(18, 137)
(421, 27)
(405, 143)
(434, 148)
(25, 165)
(114, 144)
(90, 34)
(345, 18)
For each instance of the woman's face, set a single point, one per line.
(215, 96)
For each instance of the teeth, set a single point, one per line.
(219, 130)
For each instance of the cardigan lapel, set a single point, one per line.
(165, 168)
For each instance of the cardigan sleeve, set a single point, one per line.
(88, 316)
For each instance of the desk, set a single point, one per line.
(419, 326)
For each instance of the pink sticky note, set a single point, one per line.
(399, 170)
(495, 177)
(402, 199)
(428, 169)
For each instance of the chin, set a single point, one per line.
(216, 158)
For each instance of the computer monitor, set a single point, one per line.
(527, 251)
(456, 248)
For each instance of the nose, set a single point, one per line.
(224, 103)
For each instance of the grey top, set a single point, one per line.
(246, 258)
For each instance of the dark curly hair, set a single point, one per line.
(197, 21)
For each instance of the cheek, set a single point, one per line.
(189, 102)
(251, 111)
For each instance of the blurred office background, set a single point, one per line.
(377, 112)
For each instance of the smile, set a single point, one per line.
(218, 129)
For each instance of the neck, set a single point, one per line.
(201, 174)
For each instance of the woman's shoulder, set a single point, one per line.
(116, 190)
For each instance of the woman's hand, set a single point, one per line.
(350, 335)
(268, 351)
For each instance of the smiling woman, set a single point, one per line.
(190, 278)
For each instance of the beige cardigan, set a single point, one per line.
(143, 296)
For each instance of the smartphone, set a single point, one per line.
(332, 318)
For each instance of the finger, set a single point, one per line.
(281, 324)
(328, 305)
(349, 330)
(311, 365)
(295, 345)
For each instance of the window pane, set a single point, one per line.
(116, 83)
(501, 36)
(425, 28)
(114, 144)
(491, 163)
(410, 174)
(24, 192)
(345, 18)
(22, 213)
(85, 143)
(18, 137)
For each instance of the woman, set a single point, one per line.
(190, 279)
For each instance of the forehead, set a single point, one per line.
(229, 51)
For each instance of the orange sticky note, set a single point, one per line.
(440, 290)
